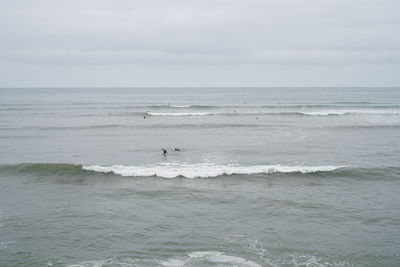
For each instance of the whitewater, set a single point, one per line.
(201, 170)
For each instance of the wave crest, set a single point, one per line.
(199, 170)
(43, 168)
(350, 112)
(281, 113)
(180, 114)
(169, 106)
(203, 170)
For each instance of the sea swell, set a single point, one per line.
(63, 169)
(202, 170)
(260, 125)
(134, 126)
(180, 114)
(278, 113)
(198, 170)
(350, 112)
(165, 170)
(171, 106)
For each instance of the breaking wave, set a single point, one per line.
(165, 170)
(239, 112)
(180, 114)
(288, 113)
(176, 106)
(331, 106)
(197, 170)
(351, 112)
(212, 258)
(202, 170)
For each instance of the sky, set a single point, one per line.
(73, 43)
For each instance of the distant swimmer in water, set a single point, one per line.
(176, 149)
(164, 151)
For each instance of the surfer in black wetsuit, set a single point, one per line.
(164, 151)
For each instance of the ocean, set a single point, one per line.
(262, 177)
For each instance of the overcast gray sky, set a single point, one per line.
(199, 43)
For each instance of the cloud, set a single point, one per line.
(151, 34)
(132, 57)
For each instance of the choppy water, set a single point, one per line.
(265, 177)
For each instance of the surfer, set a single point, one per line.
(164, 151)
(176, 149)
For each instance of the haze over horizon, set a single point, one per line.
(199, 43)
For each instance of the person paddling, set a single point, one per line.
(164, 151)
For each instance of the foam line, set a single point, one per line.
(180, 114)
(203, 170)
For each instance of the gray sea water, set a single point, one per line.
(264, 177)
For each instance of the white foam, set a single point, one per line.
(98, 263)
(127, 262)
(180, 114)
(202, 170)
(195, 258)
(180, 106)
(214, 257)
(350, 112)
(324, 113)
(169, 105)
(207, 258)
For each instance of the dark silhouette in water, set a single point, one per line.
(176, 149)
(164, 151)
